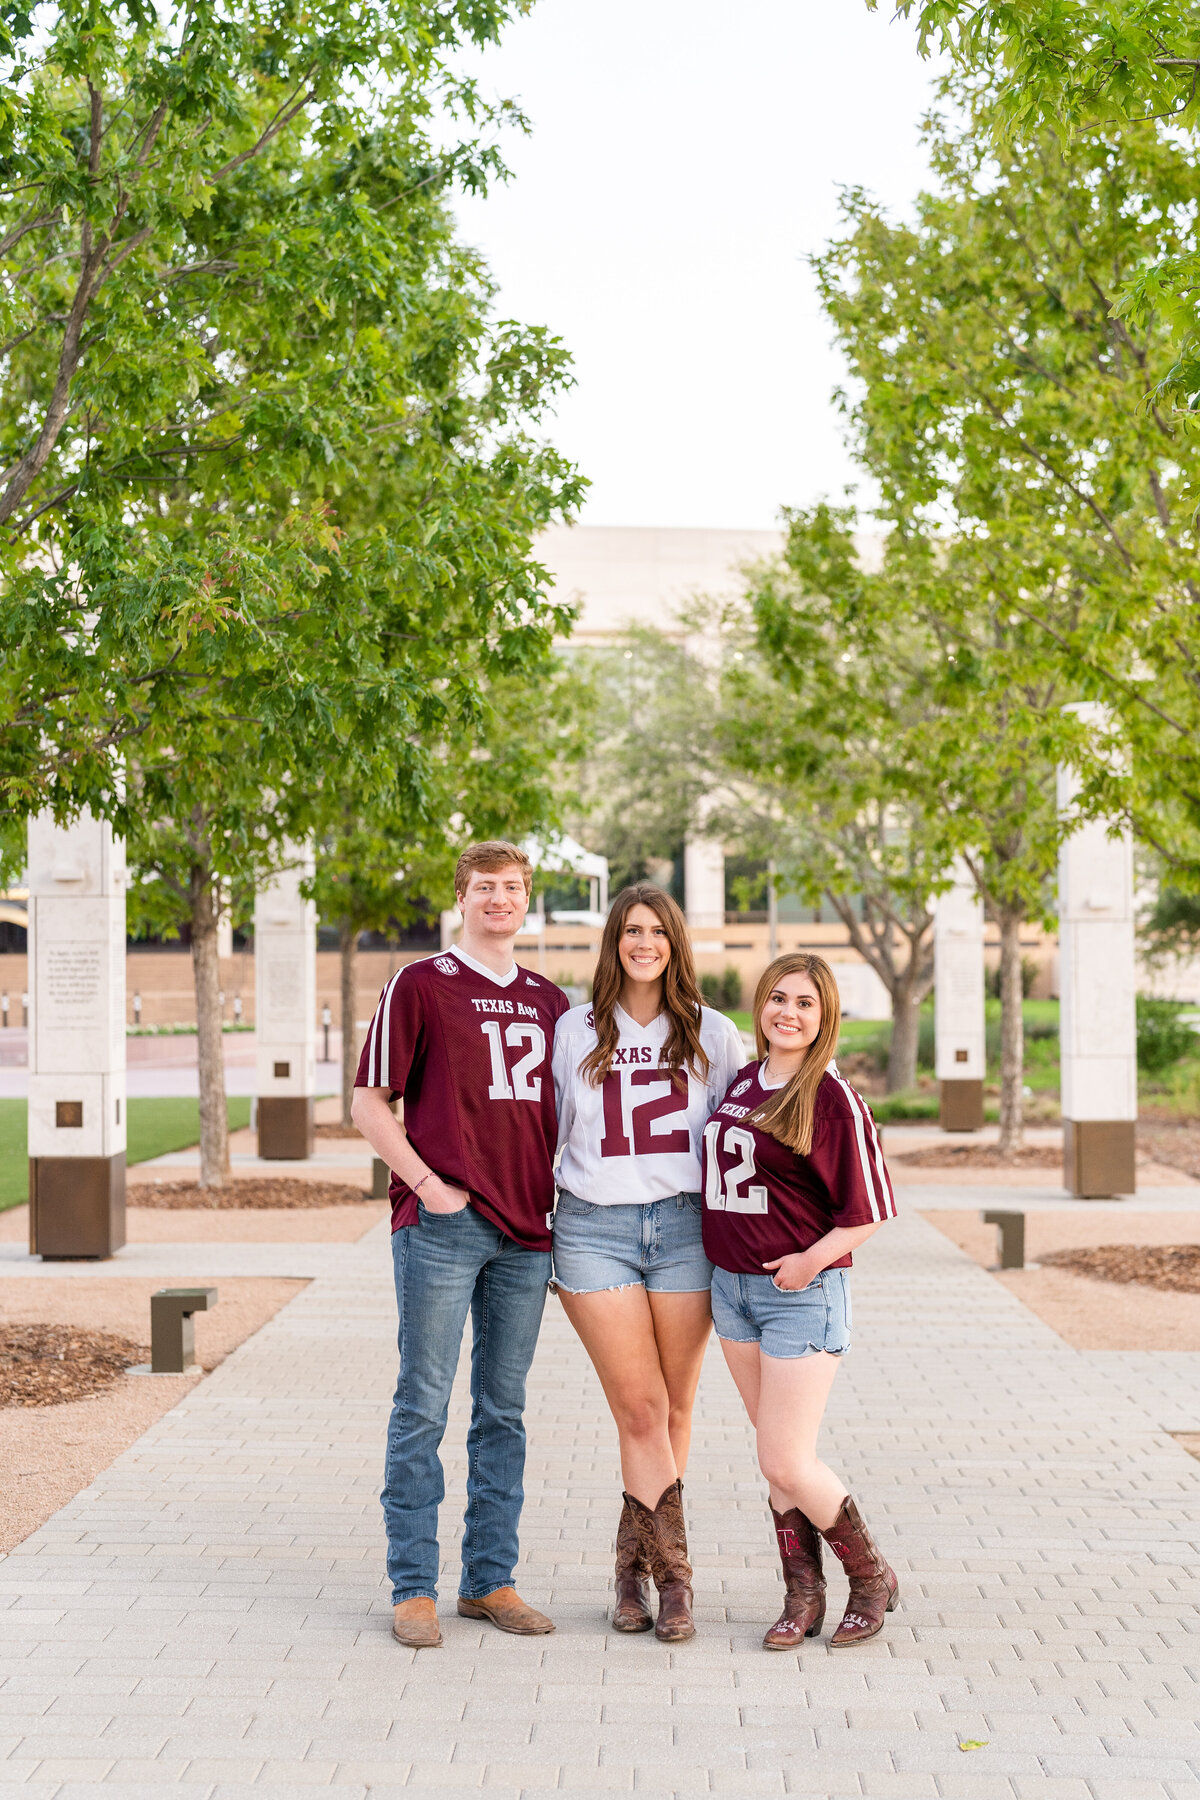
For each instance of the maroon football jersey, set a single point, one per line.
(762, 1200)
(470, 1053)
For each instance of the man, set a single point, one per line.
(466, 1038)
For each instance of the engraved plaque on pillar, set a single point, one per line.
(285, 988)
(1097, 981)
(958, 995)
(77, 1114)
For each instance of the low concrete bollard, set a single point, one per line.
(1012, 1237)
(172, 1333)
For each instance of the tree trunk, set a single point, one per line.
(1012, 1035)
(906, 1025)
(206, 972)
(348, 951)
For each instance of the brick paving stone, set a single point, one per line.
(210, 1616)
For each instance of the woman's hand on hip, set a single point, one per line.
(793, 1272)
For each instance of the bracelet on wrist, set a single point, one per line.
(418, 1185)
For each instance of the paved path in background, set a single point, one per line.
(209, 1619)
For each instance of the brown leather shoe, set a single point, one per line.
(663, 1536)
(508, 1612)
(415, 1623)
(804, 1608)
(632, 1609)
(873, 1585)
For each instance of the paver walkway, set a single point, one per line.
(210, 1619)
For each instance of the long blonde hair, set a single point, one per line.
(788, 1114)
(681, 994)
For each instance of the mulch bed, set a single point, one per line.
(1176, 1145)
(45, 1365)
(338, 1131)
(980, 1156)
(1175, 1267)
(246, 1192)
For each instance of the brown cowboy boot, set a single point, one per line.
(873, 1585)
(663, 1537)
(415, 1624)
(804, 1608)
(507, 1611)
(632, 1610)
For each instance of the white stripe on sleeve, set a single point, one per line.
(381, 1037)
(885, 1186)
(861, 1140)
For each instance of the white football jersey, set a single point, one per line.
(638, 1136)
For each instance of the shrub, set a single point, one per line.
(1029, 971)
(724, 991)
(1163, 1038)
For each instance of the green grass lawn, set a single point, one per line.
(156, 1126)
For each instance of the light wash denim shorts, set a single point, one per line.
(750, 1309)
(658, 1246)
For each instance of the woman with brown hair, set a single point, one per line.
(794, 1182)
(636, 1074)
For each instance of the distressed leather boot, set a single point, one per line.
(663, 1537)
(632, 1609)
(415, 1624)
(507, 1611)
(873, 1585)
(800, 1553)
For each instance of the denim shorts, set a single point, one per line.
(750, 1309)
(657, 1246)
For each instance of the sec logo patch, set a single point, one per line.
(739, 1089)
(446, 964)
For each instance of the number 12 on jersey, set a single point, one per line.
(726, 1193)
(519, 1083)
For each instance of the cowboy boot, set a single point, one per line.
(632, 1609)
(804, 1608)
(873, 1585)
(663, 1537)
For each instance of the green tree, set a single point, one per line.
(1039, 503)
(235, 306)
(917, 740)
(781, 758)
(505, 774)
(652, 760)
(819, 722)
(1083, 72)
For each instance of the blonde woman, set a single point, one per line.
(636, 1074)
(794, 1182)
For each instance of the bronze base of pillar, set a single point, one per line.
(1099, 1157)
(285, 1128)
(960, 1106)
(76, 1206)
(381, 1179)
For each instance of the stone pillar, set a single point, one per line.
(704, 884)
(77, 1105)
(285, 1004)
(958, 995)
(1097, 986)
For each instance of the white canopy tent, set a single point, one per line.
(565, 855)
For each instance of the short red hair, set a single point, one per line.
(486, 858)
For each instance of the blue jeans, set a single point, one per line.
(445, 1264)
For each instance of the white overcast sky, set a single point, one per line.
(685, 157)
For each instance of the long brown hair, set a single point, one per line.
(788, 1114)
(681, 995)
